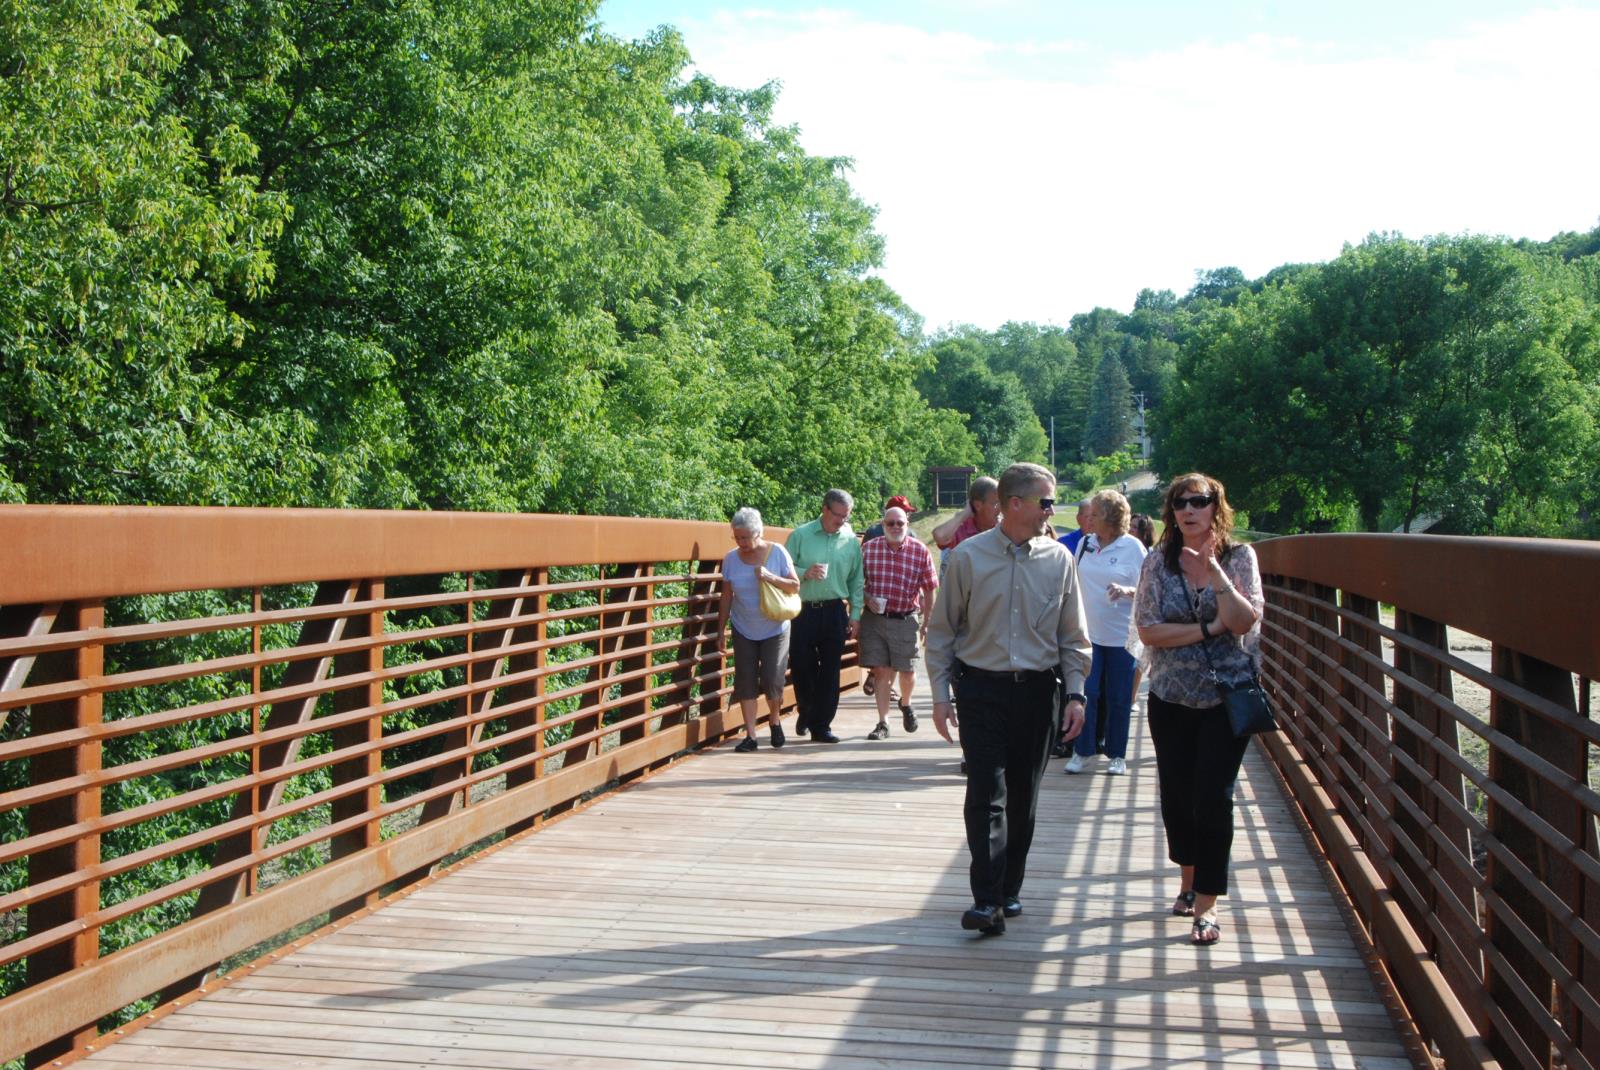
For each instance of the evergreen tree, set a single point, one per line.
(1110, 424)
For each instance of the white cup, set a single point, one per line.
(823, 567)
(877, 603)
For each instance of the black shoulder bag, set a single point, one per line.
(1249, 711)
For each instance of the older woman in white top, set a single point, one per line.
(760, 645)
(1108, 570)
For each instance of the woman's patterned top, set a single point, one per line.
(1180, 673)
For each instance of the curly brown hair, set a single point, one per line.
(1221, 519)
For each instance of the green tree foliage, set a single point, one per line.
(1110, 422)
(996, 405)
(466, 254)
(122, 237)
(1220, 286)
(1453, 377)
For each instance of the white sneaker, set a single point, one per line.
(1117, 767)
(1075, 763)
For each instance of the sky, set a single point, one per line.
(1031, 160)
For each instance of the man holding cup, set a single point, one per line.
(900, 583)
(828, 559)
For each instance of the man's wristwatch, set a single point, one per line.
(1075, 696)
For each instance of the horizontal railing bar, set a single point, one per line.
(1552, 838)
(1444, 659)
(1538, 1009)
(1464, 582)
(116, 682)
(239, 744)
(122, 634)
(1557, 778)
(84, 551)
(328, 685)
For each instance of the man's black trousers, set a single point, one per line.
(816, 645)
(1006, 730)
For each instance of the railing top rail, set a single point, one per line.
(1538, 596)
(66, 552)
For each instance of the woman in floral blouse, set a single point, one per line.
(1199, 598)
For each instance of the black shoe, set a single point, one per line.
(800, 727)
(1013, 907)
(908, 718)
(880, 732)
(988, 920)
(869, 686)
(778, 739)
(747, 746)
(824, 736)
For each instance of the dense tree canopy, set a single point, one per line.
(450, 254)
(1456, 377)
(478, 254)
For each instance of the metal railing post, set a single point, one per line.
(79, 663)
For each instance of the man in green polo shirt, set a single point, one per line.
(832, 583)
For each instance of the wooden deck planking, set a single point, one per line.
(799, 909)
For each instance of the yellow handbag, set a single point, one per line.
(776, 603)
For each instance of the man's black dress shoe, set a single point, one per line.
(1012, 908)
(824, 736)
(800, 727)
(986, 919)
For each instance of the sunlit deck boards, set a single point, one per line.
(799, 909)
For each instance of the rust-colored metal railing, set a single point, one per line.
(1452, 789)
(217, 725)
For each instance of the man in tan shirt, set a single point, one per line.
(1007, 635)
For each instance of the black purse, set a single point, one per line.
(1249, 712)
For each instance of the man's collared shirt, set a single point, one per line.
(1008, 608)
(809, 545)
(898, 575)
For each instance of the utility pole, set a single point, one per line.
(1144, 441)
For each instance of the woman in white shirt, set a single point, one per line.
(1108, 570)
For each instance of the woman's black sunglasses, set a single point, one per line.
(1193, 501)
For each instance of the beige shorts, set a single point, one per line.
(889, 641)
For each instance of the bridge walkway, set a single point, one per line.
(799, 908)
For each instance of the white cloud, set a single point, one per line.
(1034, 182)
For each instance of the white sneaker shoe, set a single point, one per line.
(1117, 767)
(1075, 763)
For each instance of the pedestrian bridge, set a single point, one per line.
(451, 790)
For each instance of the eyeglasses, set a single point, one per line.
(894, 523)
(1193, 501)
(1044, 503)
(841, 517)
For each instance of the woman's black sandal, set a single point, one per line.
(1184, 907)
(1202, 926)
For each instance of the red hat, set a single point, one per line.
(899, 502)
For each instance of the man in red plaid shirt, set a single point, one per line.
(900, 583)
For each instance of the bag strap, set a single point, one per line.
(771, 546)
